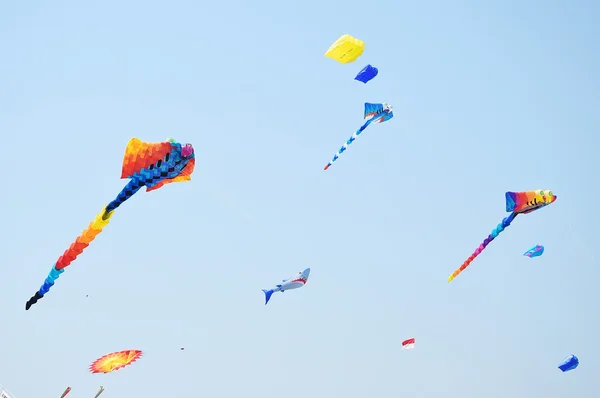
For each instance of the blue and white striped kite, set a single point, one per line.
(374, 113)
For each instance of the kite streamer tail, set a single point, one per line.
(350, 141)
(84, 240)
(87, 236)
(505, 223)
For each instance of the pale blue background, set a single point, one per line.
(488, 97)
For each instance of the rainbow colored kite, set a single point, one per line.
(517, 203)
(150, 165)
(115, 361)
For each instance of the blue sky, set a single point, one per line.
(488, 97)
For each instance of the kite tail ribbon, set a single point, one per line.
(87, 236)
(350, 141)
(505, 223)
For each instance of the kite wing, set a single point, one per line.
(115, 361)
(517, 203)
(346, 49)
(535, 251)
(367, 74)
(67, 390)
(570, 363)
(374, 113)
(147, 164)
(378, 113)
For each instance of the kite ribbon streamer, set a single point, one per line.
(505, 223)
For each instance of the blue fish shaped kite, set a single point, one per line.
(570, 363)
(367, 73)
(535, 251)
(374, 113)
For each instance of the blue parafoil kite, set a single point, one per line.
(570, 363)
(535, 251)
(366, 74)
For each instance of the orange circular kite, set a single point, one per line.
(115, 361)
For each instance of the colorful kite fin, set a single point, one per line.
(185, 175)
(142, 155)
(528, 201)
(378, 113)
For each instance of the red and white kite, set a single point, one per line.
(408, 344)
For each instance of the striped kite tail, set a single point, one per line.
(347, 143)
(342, 149)
(505, 223)
(76, 248)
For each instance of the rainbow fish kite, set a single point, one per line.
(150, 165)
(374, 113)
(517, 203)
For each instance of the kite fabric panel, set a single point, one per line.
(408, 344)
(535, 251)
(517, 203)
(571, 362)
(346, 49)
(367, 74)
(150, 165)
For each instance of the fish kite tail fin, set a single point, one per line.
(87, 236)
(268, 294)
(499, 228)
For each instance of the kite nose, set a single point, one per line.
(187, 150)
(306, 273)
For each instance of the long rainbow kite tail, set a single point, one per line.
(76, 248)
(505, 223)
(146, 164)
